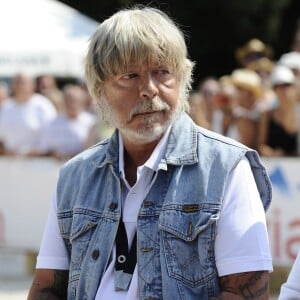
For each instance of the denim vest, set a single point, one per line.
(176, 227)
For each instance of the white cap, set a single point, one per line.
(282, 75)
(290, 60)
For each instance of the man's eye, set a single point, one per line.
(163, 72)
(129, 76)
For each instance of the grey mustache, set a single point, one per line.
(147, 106)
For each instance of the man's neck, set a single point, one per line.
(136, 155)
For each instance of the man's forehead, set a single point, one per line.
(146, 65)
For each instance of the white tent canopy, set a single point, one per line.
(42, 37)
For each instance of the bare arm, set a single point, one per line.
(49, 284)
(248, 285)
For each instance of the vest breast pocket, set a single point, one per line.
(77, 231)
(187, 236)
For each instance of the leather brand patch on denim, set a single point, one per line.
(190, 207)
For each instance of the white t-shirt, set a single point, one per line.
(291, 289)
(67, 136)
(242, 222)
(20, 124)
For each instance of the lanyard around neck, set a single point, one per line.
(125, 258)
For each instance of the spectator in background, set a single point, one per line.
(4, 93)
(291, 60)
(67, 134)
(226, 101)
(89, 103)
(210, 107)
(208, 90)
(47, 86)
(247, 110)
(101, 129)
(22, 119)
(278, 132)
(197, 110)
(252, 51)
(46, 83)
(263, 67)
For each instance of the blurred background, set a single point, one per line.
(216, 28)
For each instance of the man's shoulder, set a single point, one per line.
(94, 155)
(189, 143)
(217, 138)
(186, 126)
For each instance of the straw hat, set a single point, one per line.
(248, 80)
(252, 50)
(262, 64)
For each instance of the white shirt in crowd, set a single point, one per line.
(67, 136)
(291, 289)
(242, 222)
(20, 124)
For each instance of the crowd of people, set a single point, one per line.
(257, 104)
(39, 119)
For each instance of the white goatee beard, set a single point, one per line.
(151, 128)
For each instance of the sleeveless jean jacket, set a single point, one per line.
(176, 227)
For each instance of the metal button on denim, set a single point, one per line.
(112, 206)
(95, 254)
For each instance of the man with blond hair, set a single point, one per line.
(163, 209)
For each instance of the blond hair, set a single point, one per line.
(134, 37)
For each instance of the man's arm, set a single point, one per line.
(248, 285)
(49, 284)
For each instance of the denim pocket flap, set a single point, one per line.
(186, 224)
(81, 225)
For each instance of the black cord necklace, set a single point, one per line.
(125, 259)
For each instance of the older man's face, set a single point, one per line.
(142, 102)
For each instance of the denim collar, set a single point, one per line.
(181, 147)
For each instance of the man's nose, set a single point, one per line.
(148, 87)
